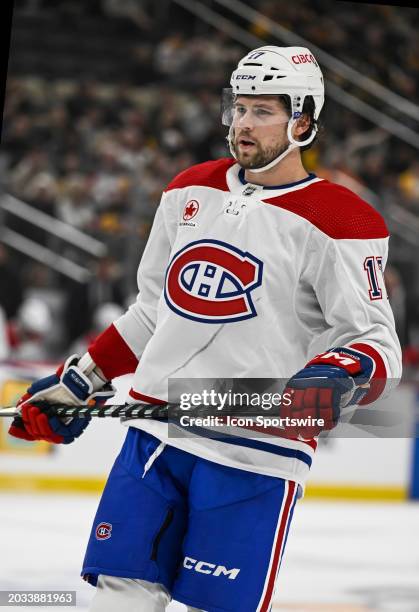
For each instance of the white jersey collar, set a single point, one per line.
(238, 184)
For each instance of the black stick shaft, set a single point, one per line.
(138, 411)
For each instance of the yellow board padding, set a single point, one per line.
(354, 492)
(320, 607)
(53, 483)
(10, 392)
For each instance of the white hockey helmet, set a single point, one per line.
(105, 314)
(34, 316)
(272, 70)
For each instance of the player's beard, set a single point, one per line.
(259, 157)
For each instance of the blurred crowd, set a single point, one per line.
(97, 155)
(378, 40)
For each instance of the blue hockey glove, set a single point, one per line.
(328, 383)
(76, 382)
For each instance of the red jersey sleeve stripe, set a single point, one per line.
(379, 378)
(112, 354)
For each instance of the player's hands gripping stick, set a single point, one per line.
(328, 383)
(76, 382)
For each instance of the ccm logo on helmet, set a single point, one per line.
(103, 531)
(211, 281)
(304, 58)
(245, 76)
(202, 567)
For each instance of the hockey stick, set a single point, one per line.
(128, 411)
(362, 416)
(136, 411)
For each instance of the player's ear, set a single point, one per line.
(302, 125)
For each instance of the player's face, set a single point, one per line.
(260, 130)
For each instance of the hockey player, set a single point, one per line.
(254, 268)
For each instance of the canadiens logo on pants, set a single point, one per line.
(212, 282)
(103, 531)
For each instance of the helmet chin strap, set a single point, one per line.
(293, 144)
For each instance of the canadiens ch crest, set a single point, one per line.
(212, 282)
(103, 531)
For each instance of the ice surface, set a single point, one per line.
(340, 557)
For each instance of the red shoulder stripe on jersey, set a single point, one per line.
(112, 354)
(208, 174)
(335, 210)
(378, 380)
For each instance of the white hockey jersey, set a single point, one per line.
(243, 281)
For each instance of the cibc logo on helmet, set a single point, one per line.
(304, 58)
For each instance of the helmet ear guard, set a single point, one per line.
(271, 70)
(306, 141)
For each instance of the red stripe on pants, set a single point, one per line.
(278, 548)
